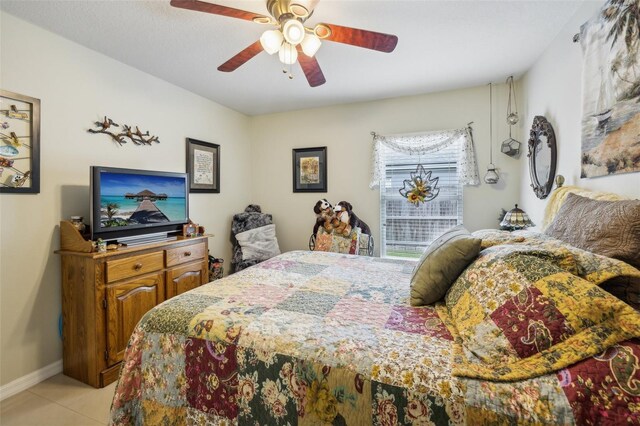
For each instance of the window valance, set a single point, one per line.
(424, 143)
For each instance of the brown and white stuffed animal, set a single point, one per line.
(354, 220)
(324, 215)
(341, 221)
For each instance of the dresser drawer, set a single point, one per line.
(179, 255)
(119, 269)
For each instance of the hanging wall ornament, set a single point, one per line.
(420, 187)
(491, 177)
(511, 147)
(512, 114)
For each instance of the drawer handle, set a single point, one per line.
(137, 266)
(187, 253)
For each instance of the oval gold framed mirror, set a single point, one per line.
(542, 156)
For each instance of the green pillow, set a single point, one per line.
(441, 264)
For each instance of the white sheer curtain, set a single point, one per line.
(424, 143)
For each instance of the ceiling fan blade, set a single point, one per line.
(362, 38)
(242, 57)
(311, 69)
(217, 9)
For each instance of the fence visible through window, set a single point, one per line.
(406, 229)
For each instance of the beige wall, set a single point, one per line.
(553, 88)
(77, 86)
(345, 130)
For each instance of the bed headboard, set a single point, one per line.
(559, 195)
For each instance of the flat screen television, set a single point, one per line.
(131, 206)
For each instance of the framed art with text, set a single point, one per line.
(203, 166)
(19, 143)
(310, 169)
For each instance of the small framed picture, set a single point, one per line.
(189, 230)
(310, 169)
(203, 166)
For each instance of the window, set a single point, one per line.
(407, 230)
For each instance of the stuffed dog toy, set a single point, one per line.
(324, 215)
(354, 220)
(341, 221)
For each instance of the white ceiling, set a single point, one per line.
(442, 45)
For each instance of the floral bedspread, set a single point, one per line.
(314, 338)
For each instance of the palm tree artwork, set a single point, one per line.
(611, 90)
(624, 17)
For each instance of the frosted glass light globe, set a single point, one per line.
(271, 41)
(288, 54)
(310, 44)
(293, 31)
(302, 8)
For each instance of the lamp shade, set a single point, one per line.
(293, 31)
(310, 44)
(271, 41)
(516, 219)
(288, 54)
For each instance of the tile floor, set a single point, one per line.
(58, 401)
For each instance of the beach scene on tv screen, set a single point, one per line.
(133, 199)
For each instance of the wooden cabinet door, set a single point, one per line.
(184, 278)
(126, 304)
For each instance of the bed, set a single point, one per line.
(327, 338)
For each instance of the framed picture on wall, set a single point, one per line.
(19, 143)
(310, 169)
(203, 166)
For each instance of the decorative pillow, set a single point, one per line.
(609, 228)
(524, 310)
(494, 237)
(559, 195)
(338, 243)
(441, 264)
(259, 243)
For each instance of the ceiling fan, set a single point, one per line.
(291, 39)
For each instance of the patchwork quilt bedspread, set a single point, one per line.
(314, 338)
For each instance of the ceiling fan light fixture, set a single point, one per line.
(293, 31)
(322, 30)
(288, 54)
(263, 20)
(299, 10)
(271, 40)
(310, 44)
(302, 8)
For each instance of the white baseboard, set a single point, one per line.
(31, 379)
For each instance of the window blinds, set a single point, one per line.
(406, 229)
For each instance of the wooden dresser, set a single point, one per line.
(104, 295)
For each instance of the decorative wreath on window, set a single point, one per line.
(420, 187)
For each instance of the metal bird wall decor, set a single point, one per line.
(137, 136)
